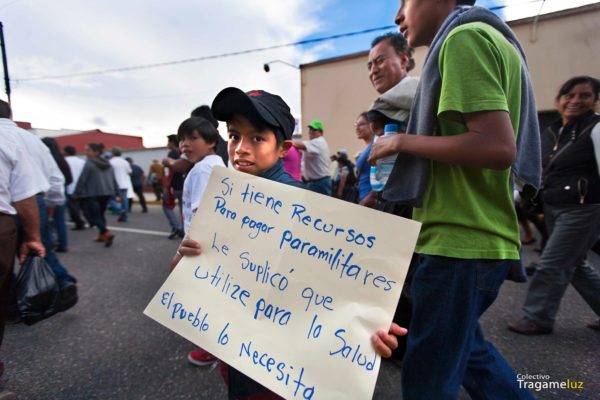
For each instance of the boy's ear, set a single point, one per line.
(285, 146)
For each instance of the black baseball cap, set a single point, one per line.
(269, 107)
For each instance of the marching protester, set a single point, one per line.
(19, 184)
(198, 139)
(315, 157)
(76, 166)
(571, 200)
(58, 217)
(137, 183)
(472, 124)
(95, 187)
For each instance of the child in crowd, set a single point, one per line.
(260, 128)
(473, 124)
(197, 138)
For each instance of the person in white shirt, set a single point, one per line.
(18, 188)
(76, 165)
(315, 157)
(50, 181)
(122, 171)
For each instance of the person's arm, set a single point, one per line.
(596, 142)
(369, 200)
(82, 180)
(188, 247)
(488, 143)
(299, 145)
(29, 217)
(181, 165)
(384, 342)
(55, 195)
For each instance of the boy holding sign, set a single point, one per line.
(260, 128)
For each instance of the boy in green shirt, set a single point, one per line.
(473, 100)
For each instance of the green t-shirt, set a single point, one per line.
(469, 212)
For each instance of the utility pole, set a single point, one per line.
(4, 63)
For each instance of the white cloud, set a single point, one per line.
(70, 36)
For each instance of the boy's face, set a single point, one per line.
(419, 20)
(251, 151)
(195, 147)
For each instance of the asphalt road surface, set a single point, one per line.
(105, 348)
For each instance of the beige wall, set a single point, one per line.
(337, 90)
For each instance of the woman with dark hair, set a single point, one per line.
(58, 217)
(364, 133)
(346, 186)
(95, 186)
(571, 197)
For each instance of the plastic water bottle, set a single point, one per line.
(380, 173)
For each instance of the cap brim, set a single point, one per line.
(231, 101)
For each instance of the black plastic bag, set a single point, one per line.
(37, 290)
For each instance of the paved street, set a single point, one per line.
(105, 348)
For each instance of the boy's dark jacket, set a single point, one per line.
(276, 173)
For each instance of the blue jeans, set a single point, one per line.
(322, 186)
(123, 207)
(60, 225)
(446, 348)
(62, 275)
(96, 207)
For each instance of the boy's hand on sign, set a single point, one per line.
(383, 147)
(188, 247)
(384, 342)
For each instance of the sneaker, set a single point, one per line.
(122, 218)
(526, 326)
(6, 394)
(109, 239)
(530, 269)
(201, 358)
(174, 233)
(594, 325)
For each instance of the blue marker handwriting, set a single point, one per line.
(255, 227)
(252, 196)
(337, 260)
(282, 371)
(226, 286)
(350, 235)
(274, 313)
(263, 274)
(354, 354)
(196, 318)
(316, 299)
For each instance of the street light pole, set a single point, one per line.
(4, 63)
(267, 68)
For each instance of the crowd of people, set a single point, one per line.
(462, 138)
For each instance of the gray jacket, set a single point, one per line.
(97, 179)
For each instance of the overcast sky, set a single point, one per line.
(59, 37)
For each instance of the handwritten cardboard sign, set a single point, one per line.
(290, 285)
